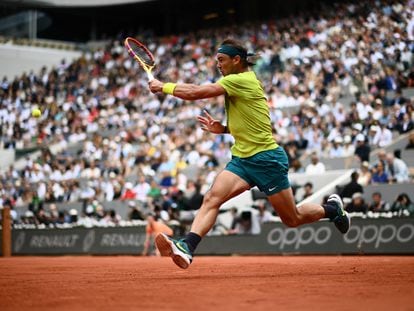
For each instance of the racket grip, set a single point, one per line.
(150, 76)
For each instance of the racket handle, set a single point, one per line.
(150, 76)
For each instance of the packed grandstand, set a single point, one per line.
(106, 151)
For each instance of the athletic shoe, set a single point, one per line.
(342, 221)
(177, 250)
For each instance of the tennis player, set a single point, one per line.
(257, 159)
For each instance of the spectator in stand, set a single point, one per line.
(364, 107)
(54, 213)
(314, 137)
(378, 204)
(296, 167)
(168, 216)
(378, 112)
(364, 174)
(263, 215)
(113, 218)
(142, 189)
(155, 190)
(357, 128)
(382, 157)
(29, 218)
(42, 216)
(352, 187)
(337, 151)
(73, 216)
(62, 218)
(245, 224)
(406, 125)
(357, 205)
(397, 153)
(315, 167)
(403, 205)
(349, 148)
(397, 169)
(128, 193)
(308, 190)
(92, 170)
(36, 174)
(379, 175)
(87, 218)
(386, 118)
(165, 170)
(134, 213)
(353, 116)
(362, 149)
(8, 202)
(399, 98)
(292, 151)
(383, 136)
(371, 134)
(195, 199)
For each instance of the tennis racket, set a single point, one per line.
(140, 53)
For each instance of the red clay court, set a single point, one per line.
(211, 283)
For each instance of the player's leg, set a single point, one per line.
(284, 204)
(226, 186)
(269, 171)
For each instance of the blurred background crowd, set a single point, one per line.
(335, 85)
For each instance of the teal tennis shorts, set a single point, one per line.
(268, 170)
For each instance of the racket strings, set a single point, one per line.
(141, 53)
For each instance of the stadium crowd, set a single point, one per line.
(328, 79)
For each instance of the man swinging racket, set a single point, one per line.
(257, 160)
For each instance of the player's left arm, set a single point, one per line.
(209, 124)
(189, 91)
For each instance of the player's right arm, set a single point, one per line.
(189, 91)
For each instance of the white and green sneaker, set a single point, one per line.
(177, 250)
(342, 221)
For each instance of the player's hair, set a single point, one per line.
(247, 59)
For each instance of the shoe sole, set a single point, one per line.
(167, 248)
(349, 224)
(338, 198)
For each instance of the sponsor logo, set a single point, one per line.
(53, 241)
(379, 235)
(373, 235)
(122, 239)
(88, 241)
(18, 244)
(181, 247)
(298, 237)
